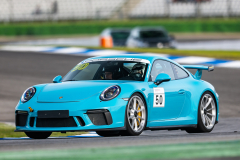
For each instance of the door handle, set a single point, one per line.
(181, 91)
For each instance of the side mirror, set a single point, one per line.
(57, 79)
(162, 77)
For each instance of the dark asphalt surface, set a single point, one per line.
(227, 129)
(19, 71)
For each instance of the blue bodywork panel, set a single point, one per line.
(182, 99)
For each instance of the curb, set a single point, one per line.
(87, 135)
(77, 51)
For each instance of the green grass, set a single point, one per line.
(171, 151)
(229, 55)
(96, 26)
(8, 131)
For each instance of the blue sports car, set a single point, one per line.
(120, 95)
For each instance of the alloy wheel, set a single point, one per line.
(208, 111)
(136, 114)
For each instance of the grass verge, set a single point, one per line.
(172, 151)
(8, 131)
(95, 27)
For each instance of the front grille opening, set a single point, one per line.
(21, 118)
(80, 120)
(56, 122)
(31, 123)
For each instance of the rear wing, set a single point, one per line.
(199, 68)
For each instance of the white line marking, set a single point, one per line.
(70, 50)
(193, 60)
(105, 52)
(26, 48)
(233, 64)
(90, 135)
(156, 54)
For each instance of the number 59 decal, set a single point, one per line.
(159, 97)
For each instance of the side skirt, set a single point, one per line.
(183, 127)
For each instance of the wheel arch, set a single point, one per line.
(145, 101)
(215, 100)
(144, 98)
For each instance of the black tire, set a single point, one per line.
(108, 133)
(200, 126)
(129, 131)
(38, 135)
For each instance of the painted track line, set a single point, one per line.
(87, 135)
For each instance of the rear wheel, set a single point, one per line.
(135, 116)
(206, 114)
(38, 135)
(108, 133)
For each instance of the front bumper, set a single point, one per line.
(85, 110)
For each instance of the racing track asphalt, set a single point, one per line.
(226, 130)
(19, 71)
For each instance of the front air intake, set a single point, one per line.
(31, 123)
(21, 118)
(100, 117)
(56, 122)
(80, 120)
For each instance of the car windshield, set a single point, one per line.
(108, 70)
(152, 34)
(120, 35)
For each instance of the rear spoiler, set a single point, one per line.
(199, 68)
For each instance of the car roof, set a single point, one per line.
(150, 57)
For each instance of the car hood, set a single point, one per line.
(73, 91)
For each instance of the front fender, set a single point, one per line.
(128, 89)
(38, 87)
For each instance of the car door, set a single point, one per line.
(167, 99)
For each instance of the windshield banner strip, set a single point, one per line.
(117, 59)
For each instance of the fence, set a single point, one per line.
(54, 10)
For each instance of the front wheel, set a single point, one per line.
(135, 116)
(206, 114)
(38, 135)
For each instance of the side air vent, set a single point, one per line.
(100, 117)
(31, 123)
(80, 120)
(21, 118)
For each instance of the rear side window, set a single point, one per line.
(179, 72)
(160, 66)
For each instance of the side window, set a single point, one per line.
(179, 72)
(160, 66)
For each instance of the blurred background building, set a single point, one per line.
(48, 10)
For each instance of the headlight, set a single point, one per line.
(110, 93)
(28, 94)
